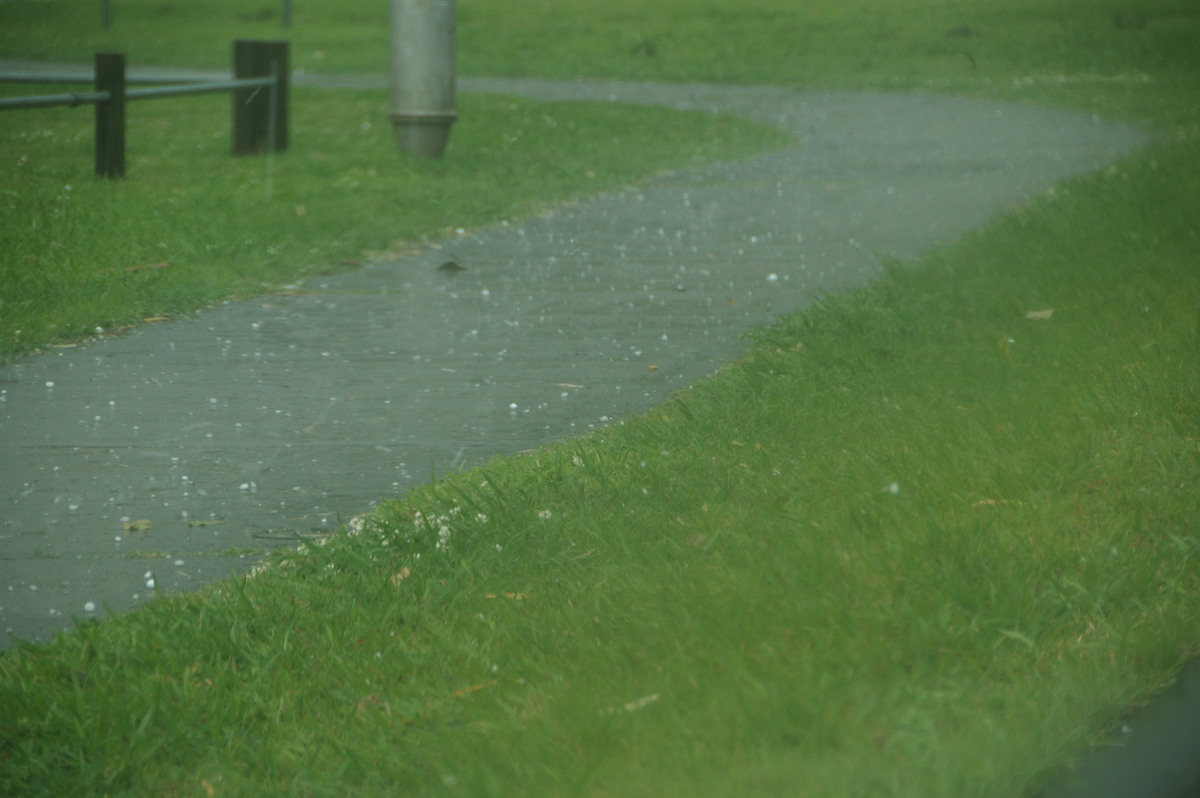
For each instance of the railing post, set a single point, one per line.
(110, 115)
(260, 115)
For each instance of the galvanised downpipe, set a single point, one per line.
(422, 77)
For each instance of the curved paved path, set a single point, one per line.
(282, 414)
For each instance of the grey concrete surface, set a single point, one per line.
(256, 421)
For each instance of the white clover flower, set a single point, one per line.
(544, 514)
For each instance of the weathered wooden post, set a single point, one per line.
(260, 114)
(422, 79)
(110, 115)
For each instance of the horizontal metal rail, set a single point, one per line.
(48, 100)
(198, 88)
(76, 98)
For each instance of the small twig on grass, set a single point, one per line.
(166, 264)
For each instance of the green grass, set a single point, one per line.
(851, 43)
(81, 254)
(916, 543)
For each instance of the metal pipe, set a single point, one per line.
(48, 100)
(422, 75)
(88, 78)
(197, 88)
(86, 97)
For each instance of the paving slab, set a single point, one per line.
(259, 421)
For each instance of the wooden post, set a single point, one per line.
(260, 114)
(110, 115)
(277, 58)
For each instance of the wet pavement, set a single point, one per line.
(1154, 754)
(162, 459)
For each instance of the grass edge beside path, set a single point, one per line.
(964, 549)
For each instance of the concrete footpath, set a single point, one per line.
(163, 456)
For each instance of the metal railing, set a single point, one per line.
(259, 117)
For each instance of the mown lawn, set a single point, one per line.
(919, 542)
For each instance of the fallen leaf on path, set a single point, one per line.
(213, 522)
(140, 525)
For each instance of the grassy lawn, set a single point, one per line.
(851, 43)
(926, 539)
